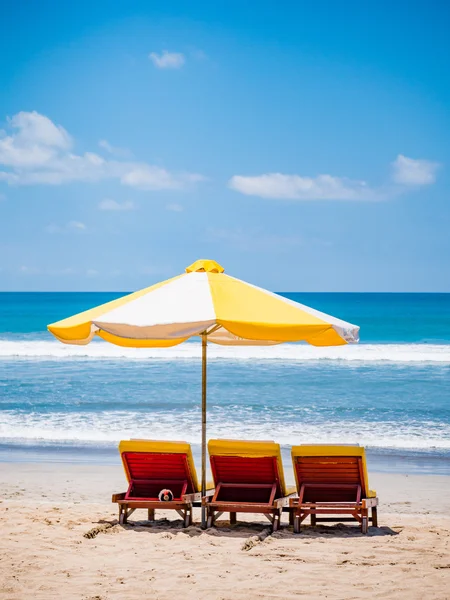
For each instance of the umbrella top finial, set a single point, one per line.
(205, 265)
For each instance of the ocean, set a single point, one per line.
(390, 393)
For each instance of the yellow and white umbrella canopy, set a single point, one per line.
(204, 300)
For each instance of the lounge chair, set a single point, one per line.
(152, 466)
(248, 478)
(332, 480)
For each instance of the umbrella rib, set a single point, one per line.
(213, 330)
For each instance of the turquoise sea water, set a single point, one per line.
(391, 392)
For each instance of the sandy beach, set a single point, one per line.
(47, 510)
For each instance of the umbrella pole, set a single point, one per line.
(204, 345)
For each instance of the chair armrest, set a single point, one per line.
(208, 497)
(117, 497)
(282, 502)
(197, 496)
(369, 502)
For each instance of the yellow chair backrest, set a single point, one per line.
(332, 451)
(157, 447)
(248, 449)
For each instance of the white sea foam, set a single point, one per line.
(112, 426)
(394, 353)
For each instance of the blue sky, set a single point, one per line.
(305, 146)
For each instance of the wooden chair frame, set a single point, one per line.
(183, 506)
(127, 507)
(271, 509)
(358, 509)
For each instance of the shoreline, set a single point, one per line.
(379, 460)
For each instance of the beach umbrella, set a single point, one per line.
(207, 303)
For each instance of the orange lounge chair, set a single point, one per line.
(150, 467)
(248, 477)
(332, 480)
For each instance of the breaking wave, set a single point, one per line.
(109, 427)
(370, 353)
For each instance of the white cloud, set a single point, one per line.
(71, 226)
(296, 187)
(407, 173)
(76, 226)
(113, 205)
(167, 60)
(114, 150)
(148, 177)
(39, 152)
(410, 171)
(175, 207)
(37, 140)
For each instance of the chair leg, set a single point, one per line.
(313, 519)
(291, 517)
(374, 516)
(151, 514)
(296, 523)
(364, 520)
(188, 517)
(276, 522)
(123, 516)
(233, 518)
(210, 519)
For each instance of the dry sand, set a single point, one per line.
(47, 508)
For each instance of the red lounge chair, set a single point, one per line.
(150, 467)
(332, 480)
(248, 478)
